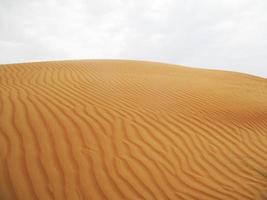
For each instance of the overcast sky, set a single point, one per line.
(218, 34)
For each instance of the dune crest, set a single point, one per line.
(131, 130)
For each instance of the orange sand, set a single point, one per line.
(131, 130)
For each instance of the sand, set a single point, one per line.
(105, 129)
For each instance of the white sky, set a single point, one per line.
(218, 34)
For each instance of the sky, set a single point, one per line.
(215, 34)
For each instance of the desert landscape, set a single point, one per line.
(114, 129)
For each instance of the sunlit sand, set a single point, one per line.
(105, 129)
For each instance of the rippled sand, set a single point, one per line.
(104, 129)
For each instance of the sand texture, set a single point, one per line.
(105, 129)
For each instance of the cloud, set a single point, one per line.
(223, 34)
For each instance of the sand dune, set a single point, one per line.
(131, 130)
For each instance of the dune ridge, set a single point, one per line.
(104, 129)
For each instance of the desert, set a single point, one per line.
(124, 129)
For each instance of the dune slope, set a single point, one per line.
(131, 130)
